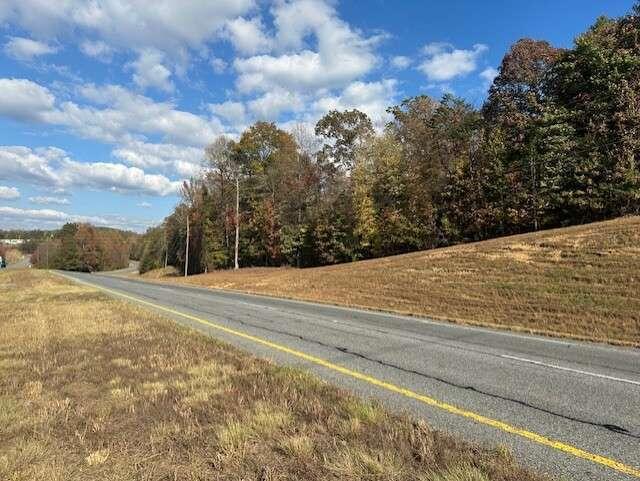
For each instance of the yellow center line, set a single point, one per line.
(450, 408)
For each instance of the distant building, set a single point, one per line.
(12, 242)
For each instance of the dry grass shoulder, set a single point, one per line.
(581, 282)
(93, 388)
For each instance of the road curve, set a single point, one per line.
(555, 403)
(23, 263)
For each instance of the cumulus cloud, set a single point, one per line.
(271, 104)
(233, 112)
(145, 205)
(218, 65)
(166, 25)
(48, 215)
(339, 54)
(116, 178)
(400, 61)
(128, 113)
(150, 71)
(49, 200)
(38, 218)
(27, 165)
(444, 62)
(183, 160)
(97, 49)
(24, 100)
(372, 98)
(51, 167)
(488, 74)
(27, 49)
(9, 193)
(295, 56)
(116, 117)
(247, 36)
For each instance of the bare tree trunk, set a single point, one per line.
(186, 256)
(236, 266)
(534, 193)
(166, 249)
(298, 250)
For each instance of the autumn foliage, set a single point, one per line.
(83, 247)
(556, 143)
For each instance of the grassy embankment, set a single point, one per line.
(94, 388)
(581, 282)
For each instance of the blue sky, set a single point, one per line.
(106, 105)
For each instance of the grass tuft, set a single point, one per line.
(458, 473)
(362, 465)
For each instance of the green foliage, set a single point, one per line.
(346, 132)
(153, 250)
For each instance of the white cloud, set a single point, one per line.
(444, 62)
(218, 65)
(9, 193)
(24, 100)
(16, 218)
(116, 178)
(53, 168)
(49, 215)
(372, 98)
(247, 36)
(271, 104)
(488, 74)
(118, 116)
(441, 88)
(233, 112)
(97, 49)
(129, 113)
(49, 200)
(26, 49)
(341, 54)
(400, 62)
(166, 25)
(25, 164)
(150, 72)
(434, 48)
(145, 205)
(123, 114)
(185, 161)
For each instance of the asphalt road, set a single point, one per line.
(21, 264)
(584, 396)
(132, 268)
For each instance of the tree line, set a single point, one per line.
(31, 238)
(557, 142)
(83, 247)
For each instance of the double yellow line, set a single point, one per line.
(537, 438)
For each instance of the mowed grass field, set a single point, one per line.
(92, 388)
(581, 282)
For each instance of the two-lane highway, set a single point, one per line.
(568, 408)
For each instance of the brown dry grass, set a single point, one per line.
(92, 388)
(581, 282)
(13, 255)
